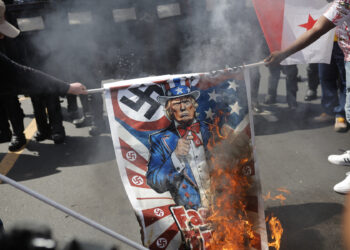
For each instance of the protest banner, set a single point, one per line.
(184, 150)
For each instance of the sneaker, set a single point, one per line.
(343, 159)
(343, 187)
(340, 124)
(310, 95)
(269, 99)
(5, 136)
(324, 117)
(17, 142)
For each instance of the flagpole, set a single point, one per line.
(253, 65)
(93, 91)
(72, 213)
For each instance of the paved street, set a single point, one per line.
(82, 175)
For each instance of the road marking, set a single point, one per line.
(10, 158)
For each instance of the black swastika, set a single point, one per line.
(143, 97)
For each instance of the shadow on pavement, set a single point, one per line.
(76, 151)
(301, 225)
(277, 119)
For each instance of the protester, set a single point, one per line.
(85, 119)
(19, 79)
(338, 15)
(72, 107)
(312, 82)
(291, 72)
(332, 79)
(10, 109)
(255, 76)
(48, 118)
(92, 104)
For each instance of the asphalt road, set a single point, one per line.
(82, 175)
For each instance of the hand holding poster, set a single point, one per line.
(184, 152)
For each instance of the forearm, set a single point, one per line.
(33, 81)
(25, 80)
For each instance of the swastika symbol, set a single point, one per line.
(137, 180)
(247, 170)
(131, 155)
(162, 242)
(143, 96)
(158, 212)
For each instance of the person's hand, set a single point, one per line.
(183, 146)
(274, 58)
(76, 88)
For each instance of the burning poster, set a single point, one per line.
(184, 152)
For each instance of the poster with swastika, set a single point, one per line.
(183, 146)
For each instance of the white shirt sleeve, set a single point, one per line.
(338, 12)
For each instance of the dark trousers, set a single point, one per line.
(254, 84)
(332, 79)
(10, 110)
(312, 76)
(291, 72)
(51, 121)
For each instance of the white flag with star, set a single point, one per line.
(283, 21)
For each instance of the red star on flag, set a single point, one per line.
(310, 23)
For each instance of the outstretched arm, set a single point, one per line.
(21, 79)
(321, 27)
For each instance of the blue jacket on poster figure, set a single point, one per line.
(162, 175)
(179, 102)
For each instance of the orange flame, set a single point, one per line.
(231, 227)
(279, 197)
(276, 232)
(283, 190)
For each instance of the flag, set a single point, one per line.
(171, 194)
(283, 21)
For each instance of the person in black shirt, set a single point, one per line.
(19, 79)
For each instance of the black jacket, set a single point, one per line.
(18, 79)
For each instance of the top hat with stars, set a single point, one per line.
(175, 88)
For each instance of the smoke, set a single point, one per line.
(88, 42)
(228, 36)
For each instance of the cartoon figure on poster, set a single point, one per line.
(178, 153)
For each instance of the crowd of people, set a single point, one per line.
(43, 88)
(333, 77)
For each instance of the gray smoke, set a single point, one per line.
(207, 35)
(228, 36)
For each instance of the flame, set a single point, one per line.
(276, 232)
(274, 224)
(231, 227)
(279, 197)
(283, 190)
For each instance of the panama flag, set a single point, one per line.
(283, 21)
